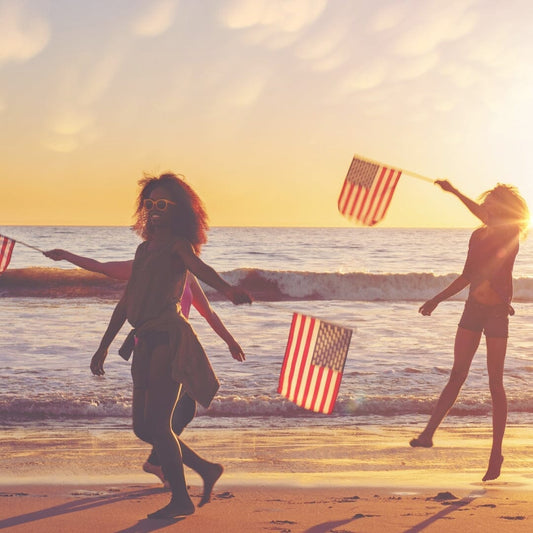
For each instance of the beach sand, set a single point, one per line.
(361, 479)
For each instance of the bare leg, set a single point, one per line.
(153, 426)
(466, 344)
(496, 349)
(209, 472)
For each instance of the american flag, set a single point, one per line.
(314, 361)
(6, 249)
(367, 191)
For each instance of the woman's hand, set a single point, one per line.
(236, 351)
(427, 308)
(56, 254)
(238, 296)
(97, 362)
(445, 185)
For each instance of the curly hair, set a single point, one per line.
(190, 219)
(513, 205)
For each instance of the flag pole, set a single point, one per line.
(418, 176)
(24, 244)
(403, 171)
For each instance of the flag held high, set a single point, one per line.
(367, 191)
(314, 362)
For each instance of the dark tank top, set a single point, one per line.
(156, 283)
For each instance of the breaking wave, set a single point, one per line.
(233, 406)
(264, 285)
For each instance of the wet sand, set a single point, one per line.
(361, 479)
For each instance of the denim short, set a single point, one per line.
(493, 320)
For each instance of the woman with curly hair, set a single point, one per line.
(167, 356)
(185, 410)
(489, 272)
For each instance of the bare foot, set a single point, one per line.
(174, 509)
(210, 478)
(156, 470)
(421, 442)
(495, 466)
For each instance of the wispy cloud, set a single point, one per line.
(23, 34)
(433, 23)
(155, 18)
(272, 23)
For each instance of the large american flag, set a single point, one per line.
(6, 249)
(314, 361)
(367, 191)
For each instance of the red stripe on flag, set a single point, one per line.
(376, 185)
(295, 356)
(326, 390)
(344, 200)
(363, 201)
(334, 393)
(389, 196)
(5, 253)
(371, 220)
(317, 387)
(371, 217)
(287, 351)
(305, 355)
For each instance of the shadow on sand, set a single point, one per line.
(143, 526)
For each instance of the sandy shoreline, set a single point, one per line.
(114, 508)
(298, 480)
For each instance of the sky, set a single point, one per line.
(261, 105)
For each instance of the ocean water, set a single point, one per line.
(370, 279)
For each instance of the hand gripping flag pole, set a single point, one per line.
(368, 188)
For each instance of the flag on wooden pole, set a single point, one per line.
(6, 249)
(314, 361)
(367, 191)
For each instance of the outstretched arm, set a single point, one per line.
(476, 209)
(201, 303)
(113, 269)
(207, 274)
(115, 323)
(455, 286)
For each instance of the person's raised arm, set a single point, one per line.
(202, 305)
(113, 269)
(207, 274)
(476, 209)
(455, 286)
(115, 324)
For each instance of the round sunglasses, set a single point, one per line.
(160, 205)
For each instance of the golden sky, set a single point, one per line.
(260, 104)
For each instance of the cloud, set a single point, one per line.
(61, 144)
(156, 19)
(414, 67)
(23, 35)
(245, 92)
(70, 122)
(388, 17)
(461, 75)
(289, 16)
(364, 77)
(433, 24)
(99, 77)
